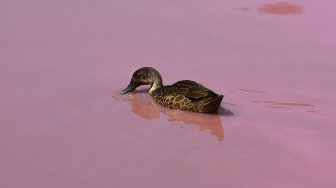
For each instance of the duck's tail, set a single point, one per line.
(212, 105)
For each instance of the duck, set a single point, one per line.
(183, 95)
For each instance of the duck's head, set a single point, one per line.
(144, 76)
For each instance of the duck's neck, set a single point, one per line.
(157, 82)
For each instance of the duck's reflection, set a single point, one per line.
(145, 107)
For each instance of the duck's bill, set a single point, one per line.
(129, 88)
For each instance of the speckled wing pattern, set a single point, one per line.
(188, 95)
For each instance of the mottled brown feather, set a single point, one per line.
(188, 95)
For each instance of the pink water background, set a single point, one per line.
(64, 124)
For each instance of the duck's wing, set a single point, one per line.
(189, 89)
(187, 83)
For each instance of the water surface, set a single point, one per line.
(64, 124)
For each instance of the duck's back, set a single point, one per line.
(188, 95)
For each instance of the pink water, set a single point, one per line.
(64, 124)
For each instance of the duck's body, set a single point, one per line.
(188, 95)
(184, 95)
